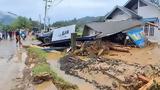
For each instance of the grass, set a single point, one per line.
(43, 67)
(37, 54)
(40, 69)
(59, 82)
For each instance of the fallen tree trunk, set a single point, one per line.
(119, 49)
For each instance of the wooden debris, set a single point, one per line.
(100, 52)
(119, 49)
(98, 48)
(147, 86)
(143, 78)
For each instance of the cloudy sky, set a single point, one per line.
(65, 10)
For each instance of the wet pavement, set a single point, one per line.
(7, 49)
(10, 64)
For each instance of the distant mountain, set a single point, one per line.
(80, 21)
(7, 17)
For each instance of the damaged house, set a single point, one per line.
(117, 31)
(146, 11)
(137, 19)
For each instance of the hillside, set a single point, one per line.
(80, 21)
(7, 17)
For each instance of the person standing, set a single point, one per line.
(18, 39)
(10, 35)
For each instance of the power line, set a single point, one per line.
(47, 6)
(58, 3)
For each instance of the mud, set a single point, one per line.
(55, 55)
(82, 84)
(109, 74)
(45, 86)
(143, 56)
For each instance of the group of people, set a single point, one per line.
(18, 35)
(5, 35)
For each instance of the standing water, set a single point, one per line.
(55, 65)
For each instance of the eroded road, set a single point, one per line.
(10, 64)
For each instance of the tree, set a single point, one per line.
(1, 26)
(21, 22)
(5, 27)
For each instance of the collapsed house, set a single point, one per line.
(138, 19)
(117, 31)
(146, 11)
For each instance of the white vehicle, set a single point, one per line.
(56, 35)
(63, 33)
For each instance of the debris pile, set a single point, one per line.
(98, 48)
(109, 74)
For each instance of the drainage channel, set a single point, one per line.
(55, 65)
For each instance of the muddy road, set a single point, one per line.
(10, 64)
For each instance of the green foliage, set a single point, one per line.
(21, 22)
(41, 68)
(37, 54)
(5, 27)
(81, 21)
(1, 26)
(35, 24)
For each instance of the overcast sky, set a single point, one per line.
(66, 10)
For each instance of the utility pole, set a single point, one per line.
(40, 22)
(47, 6)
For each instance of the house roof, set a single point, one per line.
(151, 3)
(130, 3)
(113, 27)
(129, 12)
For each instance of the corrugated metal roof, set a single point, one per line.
(113, 27)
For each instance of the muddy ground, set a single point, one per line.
(109, 74)
(143, 56)
(116, 71)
